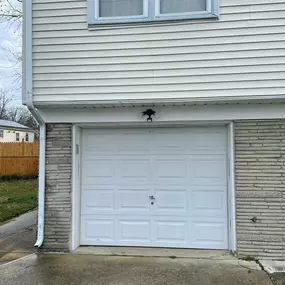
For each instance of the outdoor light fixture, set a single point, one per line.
(149, 113)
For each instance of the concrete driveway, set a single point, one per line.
(17, 238)
(78, 269)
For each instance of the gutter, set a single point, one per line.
(27, 99)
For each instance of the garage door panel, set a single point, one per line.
(171, 200)
(170, 170)
(135, 230)
(132, 169)
(171, 232)
(97, 229)
(133, 200)
(209, 233)
(209, 170)
(164, 187)
(207, 203)
(99, 200)
(210, 140)
(102, 174)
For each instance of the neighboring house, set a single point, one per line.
(208, 171)
(13, 132)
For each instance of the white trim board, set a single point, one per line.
(173, 114)
(231, 189)
(76, 188)
(27, 51)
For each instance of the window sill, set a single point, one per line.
(95, 25)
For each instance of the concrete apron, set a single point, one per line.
(156, 252)
(74, 269)
(275, 269)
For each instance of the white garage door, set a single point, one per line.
(161, 187)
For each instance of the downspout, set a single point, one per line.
(27, 99)
(41, 186)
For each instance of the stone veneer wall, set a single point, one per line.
(260, 188)
(58, 187)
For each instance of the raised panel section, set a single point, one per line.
(171, 200)
(170, 169)
(133, 169)
(97, 230)
(172, 232)
(133, 200)
(209, 170)
(98, 200)
(103, 173)
(209, 233)
(207, 200)
(134, 230)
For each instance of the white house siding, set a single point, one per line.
(240, 54)
(10, 136)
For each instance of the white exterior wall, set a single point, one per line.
(238, 55)
(10, 136)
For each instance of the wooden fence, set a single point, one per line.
(19, 159)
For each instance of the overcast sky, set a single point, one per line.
(7, 81)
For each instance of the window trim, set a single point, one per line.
(2, 132)
(151, 14)
(93, 13)
(208, 10)
(17, 140)
(27, 135)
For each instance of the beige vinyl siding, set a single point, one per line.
(240, 54)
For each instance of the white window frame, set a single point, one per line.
(1, 134)
(93, 12)
(151, 13)
(27, 137)
(181, 15)
(17, 138)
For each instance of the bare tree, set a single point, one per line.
(5, 99)
(11, 12)
(11, 17)
(21, 115)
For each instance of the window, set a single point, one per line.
(27, 137)
(17, 137)
(124, 11)
(1, 134)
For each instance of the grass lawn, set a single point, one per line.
(17, 197)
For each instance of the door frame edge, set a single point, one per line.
(75, 188)
(231, 190)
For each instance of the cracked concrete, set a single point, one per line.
(74, 269)
(275, 270)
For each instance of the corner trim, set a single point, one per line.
(27, 50)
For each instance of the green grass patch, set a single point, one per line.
(17, 197)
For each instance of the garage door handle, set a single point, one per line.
(152, 197)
